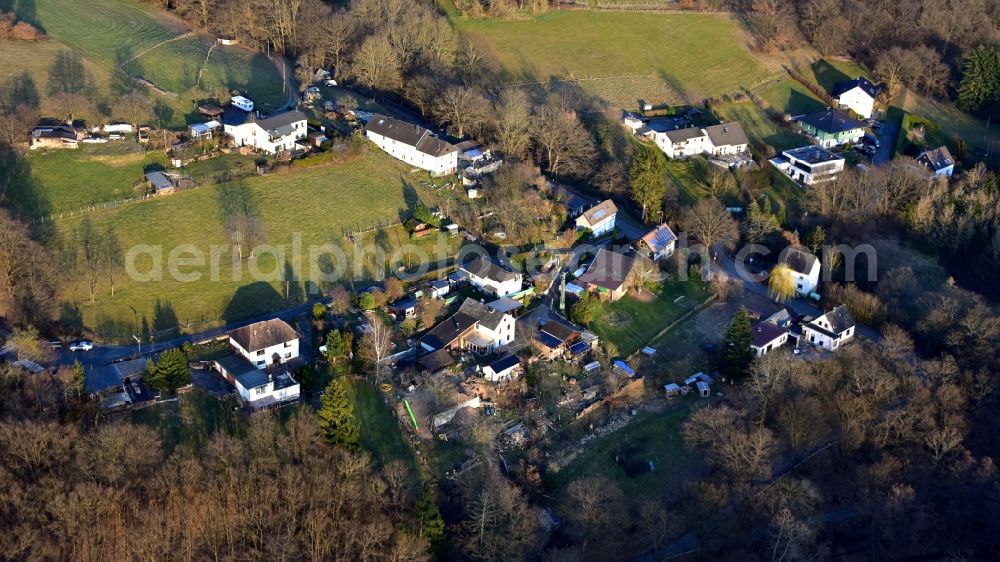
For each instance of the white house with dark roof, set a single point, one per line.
(682, 143)
(809, 165)
(503, 369)
(765, 337)
(491, 278)
(938, 161)
(599, 219)
(657, 244)
(858, 95)
(272, 134)
(266, 343)
(831, 330)
(805, 269)
(726, 139)
(475, 326)
(412, 144)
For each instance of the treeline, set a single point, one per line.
(278, 492)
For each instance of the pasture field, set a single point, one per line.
(791, 97)
(298, 208)
(586, 45)
(953, 123)
(758, 126)
(116, 33)
(71, 179)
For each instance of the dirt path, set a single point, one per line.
(161, 43)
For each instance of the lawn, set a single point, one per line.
(651, 437)
(379, 428)
(791, 97)
(689, 176)
(192, 419)
(828, 72)
(952, 122)
(758, 126)
(630, 323)
(666, 57)
(72, 179)
(159, 47)
(298, 209)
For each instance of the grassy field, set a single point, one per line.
(630, 323)
(110, 33)
(689, 176)
(380, 433)
(651, 437)
(71, 179)
(298, 208)
(789, 96)
(758, 126)
(828, 72)
(673, 56)
(192, 419)
(952, 122)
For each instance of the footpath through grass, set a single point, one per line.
(631, 322)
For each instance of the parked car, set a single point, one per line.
(82, 345)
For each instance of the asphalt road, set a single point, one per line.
(887, 142)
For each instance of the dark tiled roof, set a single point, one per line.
(560, 331)
(437, 360)
(482, 313)
(482, 267)
(831, 121)
(408, 133)
(936, 159)
(859, 82)
(599, 212)
(470, 313)
(840, 319)
(681, 135)
(609, 270)
(234, 116)
(263, 334)
(763, 333)
(799, 260)
(659, 238)
(281, 120)
(727, 134)
(245, 372)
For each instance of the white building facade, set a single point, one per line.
(273, 134)
(412, 144)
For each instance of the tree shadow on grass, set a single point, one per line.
(828, 76)
(251, 300)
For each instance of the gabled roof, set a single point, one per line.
(281, 123)
(558, 330)
(409, 133)
(436, 360)
(831, 121)
(471, 312)
(482, 313)
(727, 134)
(159, 180)
(860, 82)
(484, 268)
(599, 212)
(936, 159)
(506, 362)
(840, 320)
(609, 270)
(505, 304)
(763, 333)
(48, 129)
(681, 135)
(264, 334)
(799, 260)
(659, 238)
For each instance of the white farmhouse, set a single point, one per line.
(476, 326)
(831, 330)
(272, 134)
(266, 343)
(682, 143)
(805, 269)
(412, 144)
(858, 95)
(938, 161)
(258, 369)
(809, 165)
(491, 278)
(600, 219)
(726, 139)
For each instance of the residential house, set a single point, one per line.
(607, 275)
(657, 244)
(555, 338)
(506, 304)
(682, 143)
(809, 165)
(412, 144)
(258, 387)
(831, 127)
(53, 135)
(599, 219)
(765, 336)
(475, 326)
(805, 269)
(266, 343)
(938, 161)
(858, 95)
(99, 379)
(831, 330)
(503, 369)
(273, 134)
(726, 139)
(491, 278)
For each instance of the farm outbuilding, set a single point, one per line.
(703, 389)
(672, 389)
